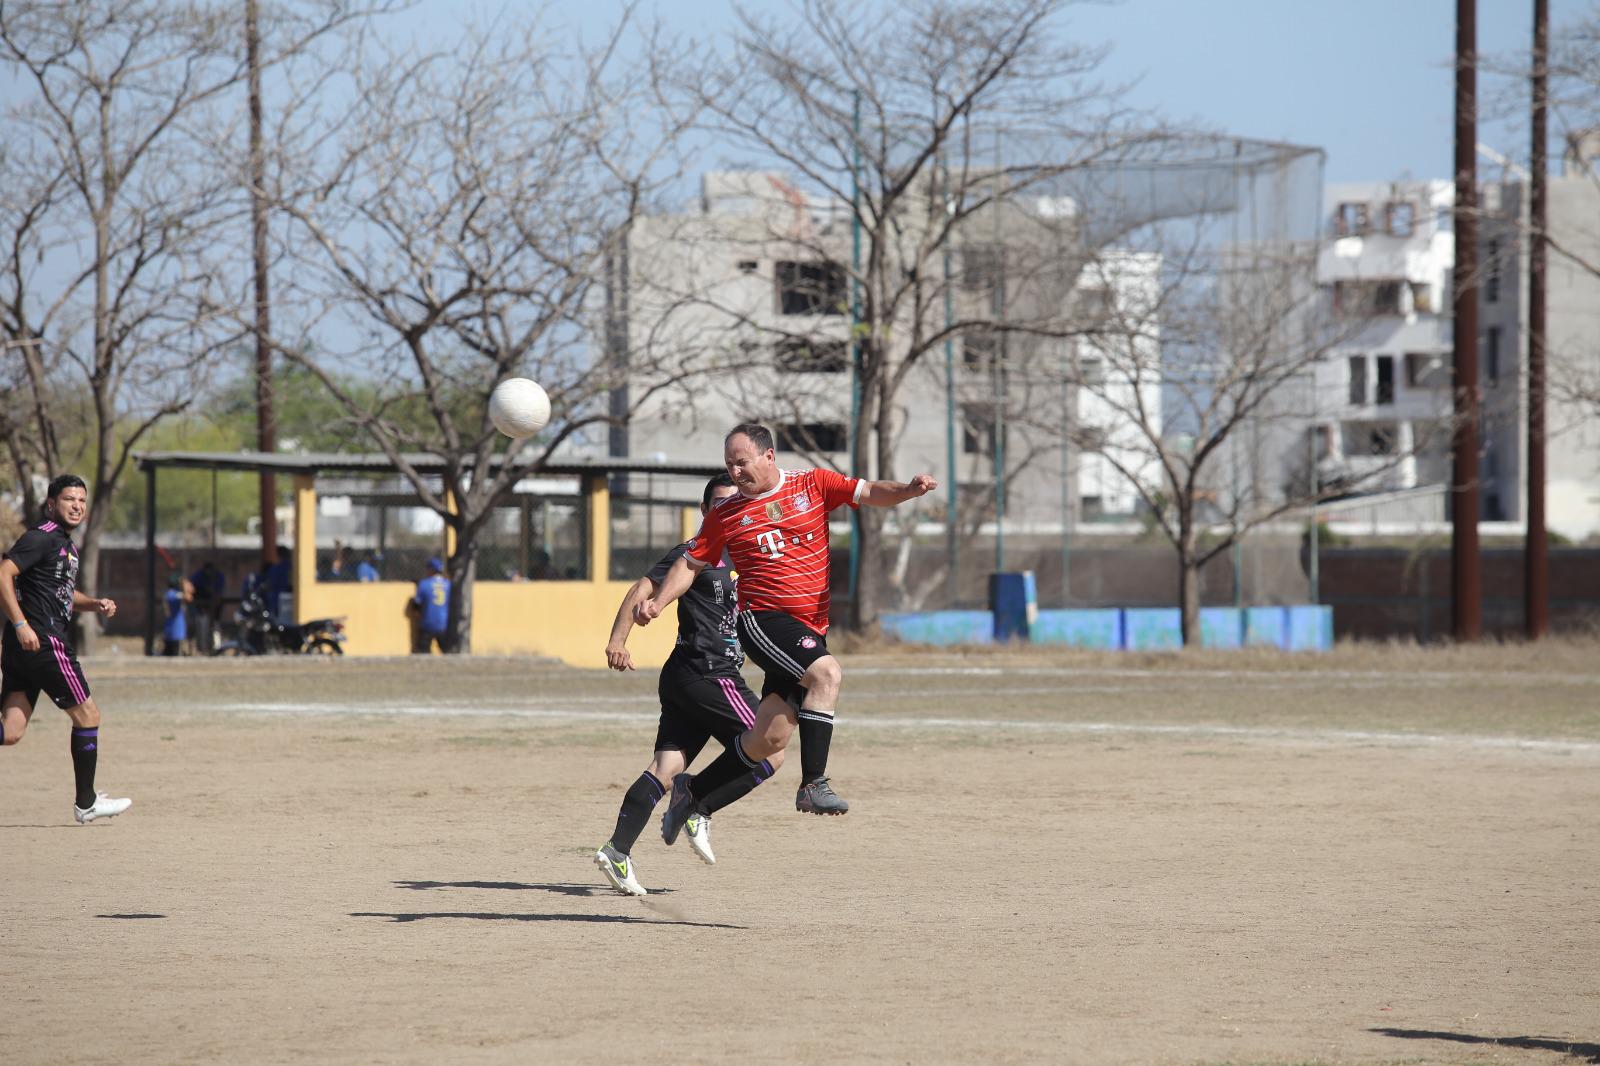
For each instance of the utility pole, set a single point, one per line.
(266, 419)
(1466, 591)
(1536, 552)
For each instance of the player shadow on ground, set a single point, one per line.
(518, 886)
(489, 916)
(1589, 1052)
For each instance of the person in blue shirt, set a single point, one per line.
(433, 609)
(279, 580)
(176, 629)
(367, 568)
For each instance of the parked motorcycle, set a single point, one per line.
(259, 633)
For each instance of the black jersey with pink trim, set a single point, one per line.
(778, 542)
(47, 564)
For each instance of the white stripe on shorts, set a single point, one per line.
(767, 645)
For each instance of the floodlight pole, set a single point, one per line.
(951, 513)
(266, 419)
(1536, 552)
(1465, 580)
(856, 450)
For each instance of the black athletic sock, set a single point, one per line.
(725, 769)
(640, 800)
(816, 729)
(84, 745)
(737, 789)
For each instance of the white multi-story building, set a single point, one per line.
(751, 283)
(1384, 393)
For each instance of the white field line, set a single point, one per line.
(1310, 737)
(1393, 677)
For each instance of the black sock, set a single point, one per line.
(816, 729)
(84, 743)
(640, 800)
(725, 769)
(736, 789)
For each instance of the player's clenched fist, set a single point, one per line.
(923, 484)
(646, 612)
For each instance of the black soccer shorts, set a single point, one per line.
(696, 706)
(53, 669)
(784, 647)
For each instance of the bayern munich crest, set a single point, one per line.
(808, 642)
(802, 502)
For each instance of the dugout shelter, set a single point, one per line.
(521, 605)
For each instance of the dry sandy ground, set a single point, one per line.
(1250, 860)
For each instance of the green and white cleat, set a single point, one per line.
(698, 830)
(618, 869)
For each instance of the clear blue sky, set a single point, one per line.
(1368, 80)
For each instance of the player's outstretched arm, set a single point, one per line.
(675, 584)
(894, 493)
(617, 655)
(82, 601)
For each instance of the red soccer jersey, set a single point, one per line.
(778, 542)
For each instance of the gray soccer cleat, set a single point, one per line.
(618, 869)
(679, 809)
(697, 827)
(818, 797)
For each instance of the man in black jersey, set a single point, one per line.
(702, 696)
(38, 579)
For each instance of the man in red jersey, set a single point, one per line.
(775, 533)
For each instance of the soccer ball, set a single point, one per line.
(519, 408)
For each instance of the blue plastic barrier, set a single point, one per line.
(1152, 628)
(942, 628)
(1080, 628)
(1221, 627)
(1266, 627)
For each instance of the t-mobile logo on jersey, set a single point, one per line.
(771, 543)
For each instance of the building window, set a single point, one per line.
(1386, 297)
(1350, 220)
(1422, 297)
(814, 288)
(748, 266)
(1424, 370)
(1092, 507)
(1385, 392)
(978, 349)
(1358, 380)
(1491, 280)
(1368, 297)
(1092, 372)
(978, 430)
(1491, 354)
(802, 356)
(810, 437)
(1401, 218)
(982, 267)
(1370, 438)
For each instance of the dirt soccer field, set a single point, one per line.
(1370, 856)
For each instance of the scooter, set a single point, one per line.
(259, 633)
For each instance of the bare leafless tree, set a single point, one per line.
(117, 193)
(883, 133)
(454, 228)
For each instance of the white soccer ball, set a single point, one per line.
(519, 408)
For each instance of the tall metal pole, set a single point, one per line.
(952, 512)
(999, 349)
(1536, 553)
(1066, 482)
(266, 419)
(857, 452)
(1465, 580)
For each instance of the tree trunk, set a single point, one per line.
(462, 569)
(89, 583)
(1189, 585)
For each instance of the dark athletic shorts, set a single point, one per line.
(53, 669)
(784, 647)
(696, 707)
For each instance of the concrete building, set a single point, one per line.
(1384, 390)
(750, 284)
